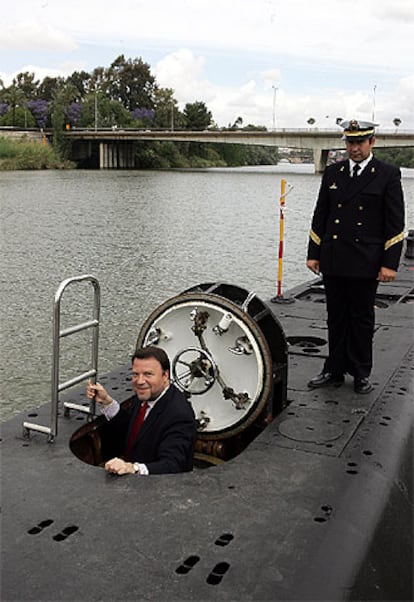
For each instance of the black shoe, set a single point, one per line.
(362, 386)
(326, 378)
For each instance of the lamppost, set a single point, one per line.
(275, 89)
(96, 110)
(373, 104)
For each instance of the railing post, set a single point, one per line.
(56, 387)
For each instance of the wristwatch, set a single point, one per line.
(135, 466)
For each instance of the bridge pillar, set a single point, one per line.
(102, 155)
(115, 155)
(320, 157)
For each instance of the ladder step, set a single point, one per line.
(76, 380)
(78, 328)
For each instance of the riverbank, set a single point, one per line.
(28, 154)
(25, 154)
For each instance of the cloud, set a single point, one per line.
(270, 77)
(322, 30)
(33, 36)
(323, 57)
(254, 99)
(63, 69)
(398, 10)
(183, 71)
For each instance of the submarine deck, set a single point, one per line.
(318, 507)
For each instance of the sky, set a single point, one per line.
(271, 62)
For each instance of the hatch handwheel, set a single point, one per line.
(194, 371)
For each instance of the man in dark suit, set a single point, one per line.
(156, 434)
(355, 242)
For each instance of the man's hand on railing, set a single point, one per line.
(99, 393)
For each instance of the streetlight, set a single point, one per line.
(274, 106)
(96, 110)
(373, 104)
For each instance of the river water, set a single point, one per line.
(146, 236)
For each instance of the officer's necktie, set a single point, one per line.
(355, 170)
(135, 428)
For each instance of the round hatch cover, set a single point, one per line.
(219, 358)
(310, 430)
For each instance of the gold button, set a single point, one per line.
(335, 236)
(337, 221)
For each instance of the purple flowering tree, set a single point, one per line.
(72, 112)
(4, 108)
(40, 111)
(146, 116)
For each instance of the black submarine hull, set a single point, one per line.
(317, 507)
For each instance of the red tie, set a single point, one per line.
(135, 428)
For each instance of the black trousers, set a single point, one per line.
(351, 321)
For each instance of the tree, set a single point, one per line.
(237, 123)
(144, 117)
(197, 116)
(81, 81)
(49, 87)
(72, 112)
(19, 117)
(167, 114)
(40, 111)
(130, 82)
(397, 122)
(62, 98)
(16, 99)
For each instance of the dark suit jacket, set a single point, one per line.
(358, 223)
(165, 442)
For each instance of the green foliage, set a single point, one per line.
(156, 155)
(167, 116)
(27, 154)
(108, 97)
(49, 87)
(197, 116)
(19, 117)
(401, 157)
(130, 82)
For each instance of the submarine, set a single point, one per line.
(296, 494)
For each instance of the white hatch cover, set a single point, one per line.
(219, 358)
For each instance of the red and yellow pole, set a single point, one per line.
(279, 297)
(281, 235)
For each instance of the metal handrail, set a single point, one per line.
(56, 387)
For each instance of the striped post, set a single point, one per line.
(281, 235)
(279, 297)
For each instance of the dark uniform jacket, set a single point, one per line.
(165, 441)
(358, 223)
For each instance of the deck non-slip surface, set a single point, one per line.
(318, 507)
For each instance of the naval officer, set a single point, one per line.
(355, 242)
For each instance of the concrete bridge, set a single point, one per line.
(116, 146)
